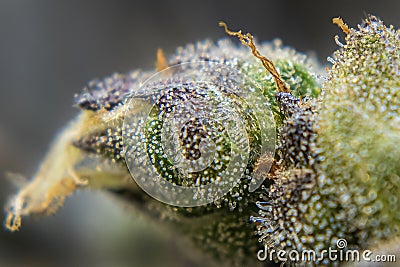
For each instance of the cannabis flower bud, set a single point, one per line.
(242, 150)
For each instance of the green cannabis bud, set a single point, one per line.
(282, 158)
(341, 173)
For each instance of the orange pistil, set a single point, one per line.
(247, 40)
(339, 21)
(161, 63)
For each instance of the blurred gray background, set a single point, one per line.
(50, 49)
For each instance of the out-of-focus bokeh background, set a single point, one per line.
(50, 49)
